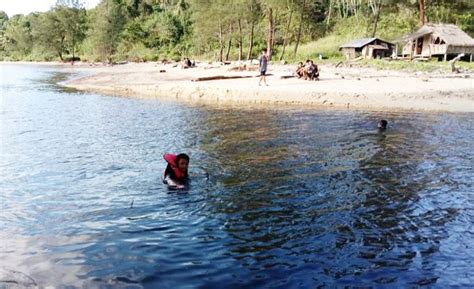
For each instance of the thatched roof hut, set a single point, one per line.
(437, 40)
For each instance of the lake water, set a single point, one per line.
(292, 198)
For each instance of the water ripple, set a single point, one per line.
(278, 198)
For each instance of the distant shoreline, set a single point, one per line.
(352, 88)
(34, 62)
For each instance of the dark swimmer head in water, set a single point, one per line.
(176, 172)
(382, 124)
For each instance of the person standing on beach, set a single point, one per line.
(262, 65)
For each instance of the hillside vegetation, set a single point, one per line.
(148, 30)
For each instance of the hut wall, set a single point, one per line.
(438, 49)
(408, 48)
(426, 51)
(365, 52)
(460, 49)
(349, 53)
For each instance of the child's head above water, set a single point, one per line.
(182, 162)
(382, 124)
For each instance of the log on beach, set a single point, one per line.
(218, 77)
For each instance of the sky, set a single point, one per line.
(12, 7)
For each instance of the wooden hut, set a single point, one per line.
(367, 48)
(437, 40)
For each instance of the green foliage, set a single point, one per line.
(144, 30)
(163, 29)
(72, 18)
(447, 14)
(3, 25)
(136, 52)
(50, 33)
(395, 24)
(107, 24)
(18, 38)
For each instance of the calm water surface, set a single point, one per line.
(293, 198)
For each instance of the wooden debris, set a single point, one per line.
(218, 77)
(452, 62)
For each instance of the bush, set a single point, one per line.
(136, 52)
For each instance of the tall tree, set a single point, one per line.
(208, 26)
(270, 31)
(18, 38)
(271, 7)
(422, 12)
(3, 18)
(107, 26)
(302, 13)
(72, 17)
(253, 14)
(3, 25)
(240, 39)
(287, 31)
(50, 33)
(376, 6)
(229, 43)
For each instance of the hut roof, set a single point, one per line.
(450, 33)
(359, 43)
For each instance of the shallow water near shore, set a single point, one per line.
(278, 199)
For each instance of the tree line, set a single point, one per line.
(217, 29)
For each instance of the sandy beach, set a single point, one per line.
(353, 88)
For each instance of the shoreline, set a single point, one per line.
(347, 88)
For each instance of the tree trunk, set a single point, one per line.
(73, 48)
(328, 18)
(60, 50)
(287, 32)
(270, 33)
(368, 16)
(422, 12)
(221, 43)
(343, 9)
(275, 21)
(298, 36)
(229, 43)
(228, 49)
(252, 28)
(240, 41)
(379, 6)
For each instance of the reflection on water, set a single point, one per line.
(294, 198)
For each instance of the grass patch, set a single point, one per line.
(413, 66)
